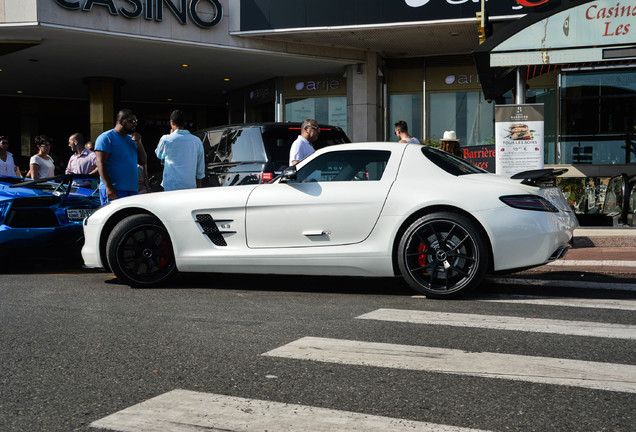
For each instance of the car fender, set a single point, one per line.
(176, 210)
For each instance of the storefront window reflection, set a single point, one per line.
(325, 110)
(467, 113)
(407, 107)
(599, 117)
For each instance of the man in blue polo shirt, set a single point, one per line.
(118, 151)
(182, 156)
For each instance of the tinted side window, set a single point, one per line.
(278, 141)
(329, 137)
(245, 145)
(352, 165)
(450, 163)
(213, 146)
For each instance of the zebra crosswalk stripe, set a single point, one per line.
(572, 328)
(544, 370)
(187, 411)
(184, 411)
(618, 304)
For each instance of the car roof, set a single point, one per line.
(378, 145)
(266, 125)
(373, 145)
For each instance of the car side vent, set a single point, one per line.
(31, 218)
(211, 229)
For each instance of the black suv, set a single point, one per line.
(255, 153)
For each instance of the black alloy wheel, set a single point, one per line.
(140, 252)
(443, 255)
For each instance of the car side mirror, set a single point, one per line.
(288, 175)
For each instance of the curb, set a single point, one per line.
(604, 237)
(563, 284)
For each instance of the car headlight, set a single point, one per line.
(4, 208)
(529, 202)
(85, 222)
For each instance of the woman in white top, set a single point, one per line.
(7, 164)
(42, 163)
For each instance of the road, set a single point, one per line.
(218, 352)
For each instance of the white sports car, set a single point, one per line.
(370, 209)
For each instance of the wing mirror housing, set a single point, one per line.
(288, 175)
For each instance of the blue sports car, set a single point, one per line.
(45, 215)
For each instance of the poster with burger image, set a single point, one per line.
(520, 131)
(519, 139)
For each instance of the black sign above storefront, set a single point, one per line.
(267, 14)
(154, 9)
(572, 33)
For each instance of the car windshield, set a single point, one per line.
(278, 141)
(56, 185)
(450, 163)
(351, 165)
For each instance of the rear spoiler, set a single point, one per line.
(61, 178)
(541, 178)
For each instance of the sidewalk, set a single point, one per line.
(599, 250)
(597, 259)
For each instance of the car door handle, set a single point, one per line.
(316, 233)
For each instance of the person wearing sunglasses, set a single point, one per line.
(402, 133)
(7, 163)
(303, 146)
(118, 152)
(41, 164)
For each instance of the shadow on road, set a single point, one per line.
(64, 264)
(285, 283)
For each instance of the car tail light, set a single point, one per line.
(529, 202)
(266, 177)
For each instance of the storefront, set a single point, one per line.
(583, 53)
(229, 62)
(68, 65)
(320, 98)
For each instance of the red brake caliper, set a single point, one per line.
(163, 260)
(421, 259)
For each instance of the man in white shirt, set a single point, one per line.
(182, 156)
(302, 147)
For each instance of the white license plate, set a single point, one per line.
(78, 214)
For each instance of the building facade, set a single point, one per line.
(68, 65)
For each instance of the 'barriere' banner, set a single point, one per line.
(519, 138)
(482, 156)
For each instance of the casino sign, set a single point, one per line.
(153, 9)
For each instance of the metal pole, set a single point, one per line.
(520, 86)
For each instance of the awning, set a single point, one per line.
(555, 35)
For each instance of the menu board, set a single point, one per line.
(519, 138)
